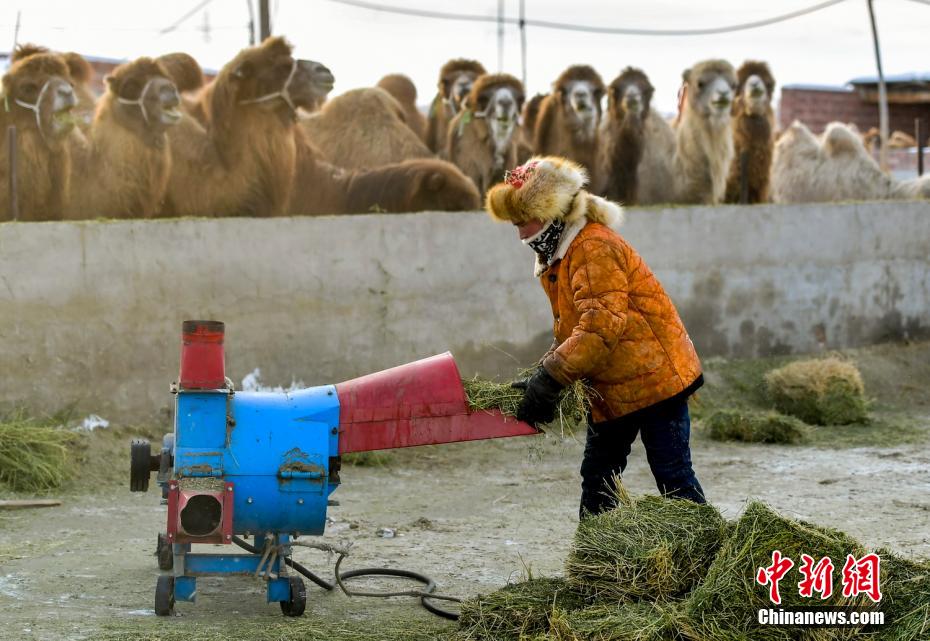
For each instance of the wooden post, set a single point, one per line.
(882, 95)
(12, 150)
(264, 19)
(744, 178)
(918, 135)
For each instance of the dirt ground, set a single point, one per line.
(472, 516)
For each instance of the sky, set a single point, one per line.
(828, 47)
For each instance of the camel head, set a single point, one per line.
(581, 89)
(629, 95)
(312, 83)
(711, 89)
(456, 79)
(143, 97)
(265, 78)
(38, 95)
(498, 98)
(756, 87)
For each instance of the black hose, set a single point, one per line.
(323, 583)
(424, 594)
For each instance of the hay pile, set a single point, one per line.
(905, 599)
(617, 589)
(754, 426)
(570, 415)
(646, 548)
(517, 611)
(34, 457)
(726, 603)
(826, 391)
(640, 621)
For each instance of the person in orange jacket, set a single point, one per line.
(615, 328)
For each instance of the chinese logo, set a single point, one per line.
(859, 576)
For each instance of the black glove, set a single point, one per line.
(540, 397)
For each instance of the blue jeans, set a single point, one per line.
(665, 429)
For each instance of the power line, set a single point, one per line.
(177, 23)
(546, 24)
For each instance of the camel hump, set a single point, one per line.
(183, 70)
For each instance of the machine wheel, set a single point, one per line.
(295, 606)
(165, 552)
(164, 596)
(140, 452)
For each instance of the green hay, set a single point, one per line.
(571, 413)
(826, 391)
(724, 607)
(754, 426)
(518, 611)
(367, 459)
(34, 457)
(648, 547)
(905, 600)
(640, 621)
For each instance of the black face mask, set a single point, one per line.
(546, 240)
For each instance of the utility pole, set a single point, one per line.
(523, 42)
(500, 36)
(251, 23)
(264, 19)
(882, 95)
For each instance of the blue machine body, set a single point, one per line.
(275, 447)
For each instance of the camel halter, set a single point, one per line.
(34, 107)
(140, 101)
(283, 93)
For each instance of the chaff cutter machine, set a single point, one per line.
(263, 464)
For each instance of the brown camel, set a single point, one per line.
(455, 80)
(567, 124)
(122, 171)
(363, 128)
(81, 74)
(483, 136)
(753, 133)
(405, 92)
(244, 161)
(623, 136)
(38, 99)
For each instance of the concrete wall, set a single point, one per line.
(90, 312)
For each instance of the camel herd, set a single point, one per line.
(264, 139)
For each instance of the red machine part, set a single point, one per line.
(420, 403)
(195, 516)
(203, 363)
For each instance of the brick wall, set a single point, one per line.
(818, 107)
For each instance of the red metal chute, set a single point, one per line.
(420, 403)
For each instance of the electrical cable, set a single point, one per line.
(424, 595)
(563, 26)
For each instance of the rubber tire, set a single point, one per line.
(295, 606)
(164, 596)
(140, 457)
(165, 552)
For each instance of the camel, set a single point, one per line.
(363, 128)
(896, 140)
(690, 163)
(81, 74)
(837, 167)
(753, 132)
(483, 137)
(623, 136)
(455, 80)
(244, 161)
(123, 168)
(419, 184)
(38, 99)
(405, 92)
(568, 120)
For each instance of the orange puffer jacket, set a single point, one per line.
(615, 326)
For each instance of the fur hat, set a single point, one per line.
(549, 188)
